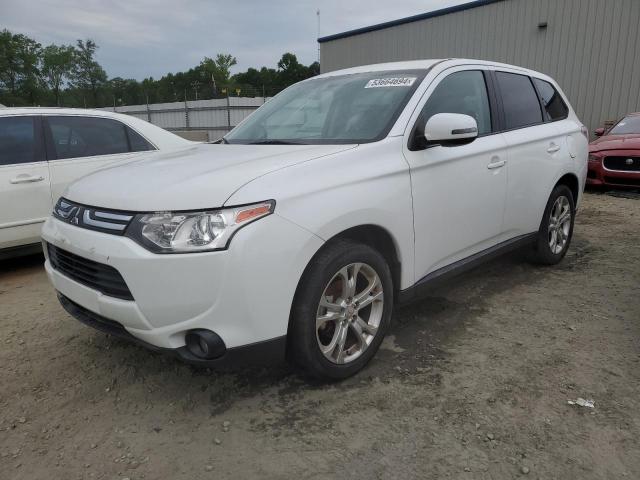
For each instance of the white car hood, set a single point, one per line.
(202, 176)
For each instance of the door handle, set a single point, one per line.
(496, 164)
(26, 179)
(553, 148)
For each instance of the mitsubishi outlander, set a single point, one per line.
(300, 230)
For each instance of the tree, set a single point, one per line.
(290, 70)
(31, 75)
(88, 75)
(218, 69)
(19, 62)
(57, 67)
(125, 91)
(150, 90)
(313, 69)
(260, 81)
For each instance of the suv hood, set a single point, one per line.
(203, 176)
(616, 142)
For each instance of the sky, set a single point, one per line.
(142, 38)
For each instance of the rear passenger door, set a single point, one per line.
(25, 195)
(79, 145)
(536, 138)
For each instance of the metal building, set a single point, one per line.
(591, 47)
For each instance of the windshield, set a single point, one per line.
(356, 108)
(626, 126)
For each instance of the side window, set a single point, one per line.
(74, 137)
(519, 99)
(461, 92)
(137, 142)
(17, 140)
(551, 100)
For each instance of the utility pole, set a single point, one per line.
(318, 15)
(186, 110)
(148, 111)
(195, 84)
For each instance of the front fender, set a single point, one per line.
(368, 185)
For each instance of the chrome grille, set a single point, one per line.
(92, 218)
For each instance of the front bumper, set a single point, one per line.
(260, 353)
(599, 175)
(243, 294)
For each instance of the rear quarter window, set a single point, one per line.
(137, 141)
(552, 102)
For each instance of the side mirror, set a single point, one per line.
(450, 129)
(598, 132)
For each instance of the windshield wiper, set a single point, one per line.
(275, 142)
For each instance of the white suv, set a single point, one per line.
(342, 196)
(43, 149)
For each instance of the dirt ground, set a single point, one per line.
(473, 382)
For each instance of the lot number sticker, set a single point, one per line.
(390, 82)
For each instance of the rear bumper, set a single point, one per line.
(260, 353)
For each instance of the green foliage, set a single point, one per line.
(88, 76)
(70, 75)
(58, 63)
(19, 67)
(218, 69)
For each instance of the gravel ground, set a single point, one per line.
(473, 382)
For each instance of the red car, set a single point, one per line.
(614, 158)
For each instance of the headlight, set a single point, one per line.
(200, 231)
(594, 159)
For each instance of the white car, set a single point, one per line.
(43, 149)
(342, 196)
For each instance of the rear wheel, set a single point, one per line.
(342, 310)
(556, 228)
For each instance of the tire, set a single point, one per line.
(544, 252)
(323, 282)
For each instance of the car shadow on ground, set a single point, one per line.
(631, 193)
(23, 264)
(417, 345)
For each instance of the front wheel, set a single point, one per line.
(556, 228)
(342, 310)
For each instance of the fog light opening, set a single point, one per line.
(205, 344)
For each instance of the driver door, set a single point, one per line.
(458, 191)
(25, 192)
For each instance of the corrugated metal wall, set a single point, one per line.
(591, 47)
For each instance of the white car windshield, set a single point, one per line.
(356, 108)
(626, 126)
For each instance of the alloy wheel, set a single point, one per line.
(349, 313)
(559, 224)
